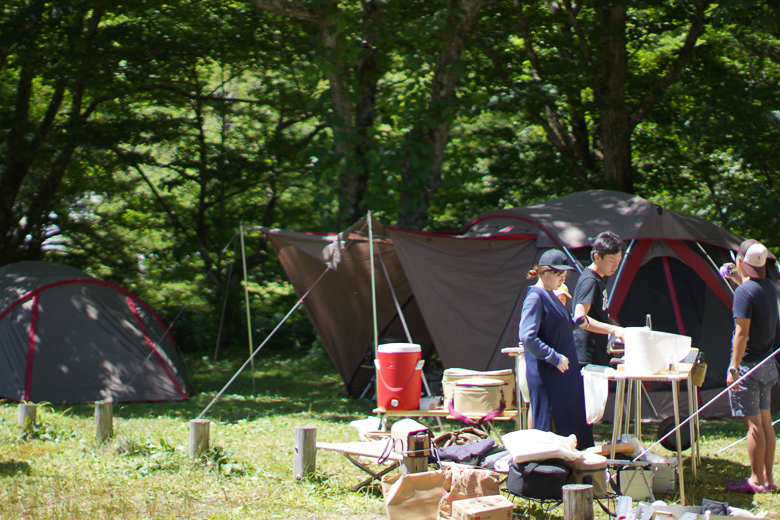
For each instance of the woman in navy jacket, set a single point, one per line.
(552, 368)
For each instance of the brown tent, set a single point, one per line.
(462, 293)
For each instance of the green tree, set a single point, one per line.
(215, 144)
(367, 49)
(589, 74)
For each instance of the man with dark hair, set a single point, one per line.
(591, 299)
(756, 325)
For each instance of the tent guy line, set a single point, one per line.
(278, 326)
(707, 404)
(170, 326)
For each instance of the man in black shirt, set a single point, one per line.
(590, 299)
(755, 313)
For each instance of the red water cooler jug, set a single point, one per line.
(399, 376)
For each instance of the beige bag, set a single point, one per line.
(467, 482)
(451, 377)
(414, 496)
(591, 468)
(478, 396)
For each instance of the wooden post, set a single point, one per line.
(27, 415)
(104, 420)
(578, 502)
(305, 456)
(199, 437)
(416, 457)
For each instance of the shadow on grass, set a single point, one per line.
(283, 383)
(713, 475)
(373, 489)
(11, 468)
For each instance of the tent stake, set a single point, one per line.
(104, 420)
(199, 437)
(27, 412)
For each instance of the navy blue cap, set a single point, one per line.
(556, 259)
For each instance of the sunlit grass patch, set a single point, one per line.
(144, 470)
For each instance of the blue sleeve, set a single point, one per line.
(530, 319)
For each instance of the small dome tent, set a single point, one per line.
(66, 337)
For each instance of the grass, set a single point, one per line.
(59, 471)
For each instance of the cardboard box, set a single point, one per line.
(493, 507)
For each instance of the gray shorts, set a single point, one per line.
(753, 393)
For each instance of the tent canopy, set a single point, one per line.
(462, 293)
(66, 337)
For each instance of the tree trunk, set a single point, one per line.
(615, 124)
(426, 143)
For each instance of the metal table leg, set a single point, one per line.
(629, 388)
(638, 409)
(680, 474)
(692, 429)
(618, 415)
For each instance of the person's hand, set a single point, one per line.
(618, 332)
(728, 270)
(731, 377)
(584, 321)
(563, 366)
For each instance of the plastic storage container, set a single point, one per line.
(650, 351)
(399, 376)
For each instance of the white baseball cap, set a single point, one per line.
(753, 255)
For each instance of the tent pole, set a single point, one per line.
(373, 283)
(259, 348)
(248, 314)
(221, 323)
(620, 269)
(712, 263)
(573, 260)
(395, 298)
(403, 322)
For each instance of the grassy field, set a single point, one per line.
(58, 471)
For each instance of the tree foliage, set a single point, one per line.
(138, 138)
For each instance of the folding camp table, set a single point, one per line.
(629, 383)
(506, 415)
(371, 450)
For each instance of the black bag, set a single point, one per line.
(714, 507)
(542, 480)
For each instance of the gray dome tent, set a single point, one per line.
(67, 337)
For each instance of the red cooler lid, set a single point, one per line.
(396, 348)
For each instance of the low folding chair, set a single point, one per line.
(371, 450)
